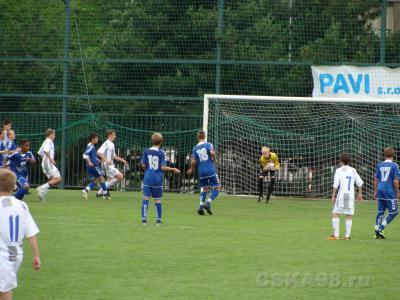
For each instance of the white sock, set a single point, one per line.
(100, 191)
(348, 227)
(209, 200)
(45, 186)
(112, 182)
(335, 226)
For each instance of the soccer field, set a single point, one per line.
(98, 249)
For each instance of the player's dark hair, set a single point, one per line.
(156, 139)
(110, 132)
(49, 132)
(7, 122)
(201, 135)
(344, 158)
(92, 136)
(23, 142)
(389, 152)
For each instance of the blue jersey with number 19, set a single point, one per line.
(386, 172)
(153, 158)
(202, 154)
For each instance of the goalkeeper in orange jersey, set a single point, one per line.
(269, 164)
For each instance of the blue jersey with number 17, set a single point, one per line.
(202, 154)
(386, 172)
(153, 158)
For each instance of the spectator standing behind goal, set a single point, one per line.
(343, 203)
(269, 164)
(16, 223)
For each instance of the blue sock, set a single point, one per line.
(90, 186)
(159, 211)
(145, 207)
(387, 221)
(214, 194)
(20, 194)
(104, 187)
(203, 196)
(379, 218)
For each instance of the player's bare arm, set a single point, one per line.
(169, 169)
(375, 188)
(35, 250)
(49, 157)
(120, 159)
(192, 167)
(333, 198)
(102, 157)
(359, 196)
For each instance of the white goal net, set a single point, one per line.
(308, 134)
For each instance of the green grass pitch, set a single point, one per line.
(98, 249)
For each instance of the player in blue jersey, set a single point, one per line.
(386, 189)
(154, 164)
(19, 164)
(93, 168)
(3, 150)
(203, 156)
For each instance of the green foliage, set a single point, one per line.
(99, 250)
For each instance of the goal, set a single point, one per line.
(308, 134)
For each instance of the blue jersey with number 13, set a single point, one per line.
(386, 172)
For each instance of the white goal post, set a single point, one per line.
(308, 134)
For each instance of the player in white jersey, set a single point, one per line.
(343, 202)
(108, 150)
(16, 224)
(49, 168)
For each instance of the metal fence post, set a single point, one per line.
(65, 87)
(220, 24)
(382, 59)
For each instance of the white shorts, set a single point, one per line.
(49, 169)
(343, 211)
(8, 273)
(111, 171)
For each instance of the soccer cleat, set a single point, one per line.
(379, 235)
(333, 238)
(200, 212)
(158, 222)
(106, 196)
(40, 194)
(347, 238)
(98, 195)
(208, 208)
(84, 194)
(144, 222)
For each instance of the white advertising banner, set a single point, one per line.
(356, 82)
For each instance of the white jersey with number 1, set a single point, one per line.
(16, 223)
(345, 179)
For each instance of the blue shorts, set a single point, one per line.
(151, 191)
(212, 181)
(391, 205)
(94, 172)
(21, 182)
